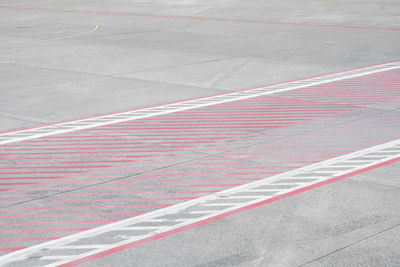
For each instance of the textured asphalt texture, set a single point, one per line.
(57, 65)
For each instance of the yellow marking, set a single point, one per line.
(56, 39)
(73, 35)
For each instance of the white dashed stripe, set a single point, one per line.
(200, 209)
(77, 125)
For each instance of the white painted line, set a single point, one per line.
(66, 127)
(182, 214)
(81, 247)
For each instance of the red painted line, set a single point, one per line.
(221, 216)
(12, 249)
(186, 138)
(15, 195)
(82, 138)
(31, 183)
(186, 127)
(165, 175)
(180, 101)
(35, 189)
(218, 121)
(72, 143)
(214, 119)
(67, 162)
(66, 158)
(211, 185)
(198, 192)
(88, 152)
(150, 181)
(206, 163)
(343, 96)
(213, 159)
(87, 207)
(57, 167)
(66, 138)
(44, 172)
(248, 108)
(243, 112)
(59, 222)
(27, 239)
(305, 162)
(113, 199)
(169, 180)
(185, 142)
(44, 230)
(255, 168)
(268, 102)
(197, 18)
(252, 173)
(235, 115)
(127, 187)
(33, 178)
(138, 127)
(134, 181)
(71, 215)
(196, 169)
(114, 193)
(73, 148)
(227, 179)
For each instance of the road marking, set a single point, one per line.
(74, 35)
(197, 18)
(192, 213)
(382, 86)
(72, 126)
(54, 39)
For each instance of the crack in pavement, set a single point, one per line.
(349, 245)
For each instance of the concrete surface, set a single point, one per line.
(354, 222)
(56, 65)
(53, 70)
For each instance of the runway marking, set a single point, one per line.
(56, 39)
(75, 35)
(195, 18)
(199, 211)
(88, 123)
(185, 179)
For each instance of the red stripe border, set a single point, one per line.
(196, 98)
(221, 216)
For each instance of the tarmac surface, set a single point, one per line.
(69, 60)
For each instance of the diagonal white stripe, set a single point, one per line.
(182, 210)
(77, 125)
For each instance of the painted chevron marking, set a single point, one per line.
(71, 126)
(189, 214)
